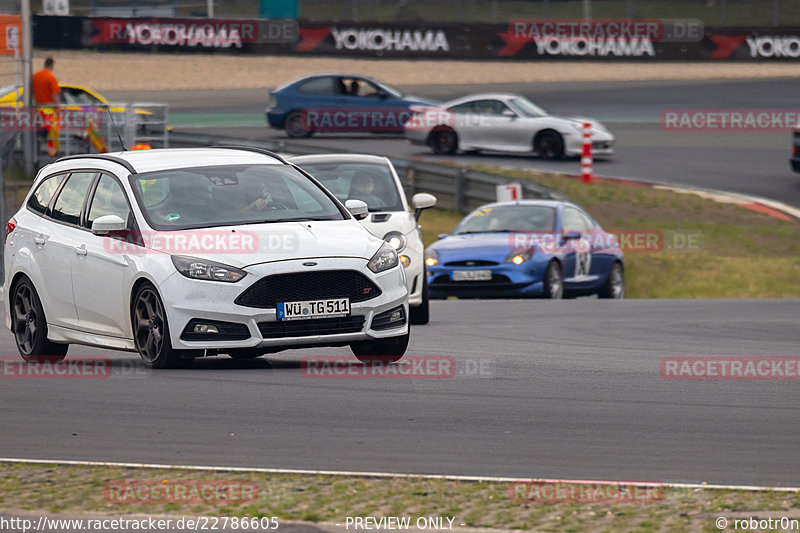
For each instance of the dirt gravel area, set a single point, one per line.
(117, 71)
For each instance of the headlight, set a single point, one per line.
(195, 268)
(431, 258)
(384, 259)
(396, 240)
(518, 257)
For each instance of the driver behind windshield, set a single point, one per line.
(362, 187)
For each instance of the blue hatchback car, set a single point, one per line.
(340, 103)
(526, 248)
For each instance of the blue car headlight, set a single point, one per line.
(431, 257)
(517, 257)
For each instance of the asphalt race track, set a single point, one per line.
(567, 389)
(750, 163)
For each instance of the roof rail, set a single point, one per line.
(255, 149)
(112, 158)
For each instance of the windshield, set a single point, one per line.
(508, 218)
(230, 195)
(372, 183)
(528, 108)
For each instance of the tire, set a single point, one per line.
(420, 315)
(553, 281)
(443, 142)
(151, 332)
(294, 125)
(384, 351)
(30, 326)
(549, 145)
(614, 287)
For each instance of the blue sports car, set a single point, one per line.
(524, 249)
(339, 103)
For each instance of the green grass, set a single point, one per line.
(40, 488)
(742, 253)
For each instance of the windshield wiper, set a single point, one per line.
(279, 220)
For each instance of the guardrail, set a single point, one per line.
(456, 188)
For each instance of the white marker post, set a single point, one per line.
(586, 156)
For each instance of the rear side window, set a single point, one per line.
(41, 197)
(70, 200)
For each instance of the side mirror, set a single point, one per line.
(383, 95)
(571, 235)
(508, 113)
(107, 223)
(442, 236)
(357, 208)
(422, 201)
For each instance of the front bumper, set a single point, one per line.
(275, 119)
(187, 300)
(508, 281)
(602, 144)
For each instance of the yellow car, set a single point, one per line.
(73, 95)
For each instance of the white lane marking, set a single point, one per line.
(444, 477)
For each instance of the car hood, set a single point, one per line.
(419, 101)
(250, 244)
(593, 122)
(485, 246)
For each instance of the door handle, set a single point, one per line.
(80, 250)
(39, 239)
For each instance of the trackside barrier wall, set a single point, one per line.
(685, 40)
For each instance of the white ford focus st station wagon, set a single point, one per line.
(180, 253)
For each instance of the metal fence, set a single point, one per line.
(78, 129)
(711, 12)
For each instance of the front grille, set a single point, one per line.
(303, 286)
(310, 327)
(471, 262)
(497, 279)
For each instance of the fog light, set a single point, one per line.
(205, 328)
(405, 261)
(394, 318)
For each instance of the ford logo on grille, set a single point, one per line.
(310, 264)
